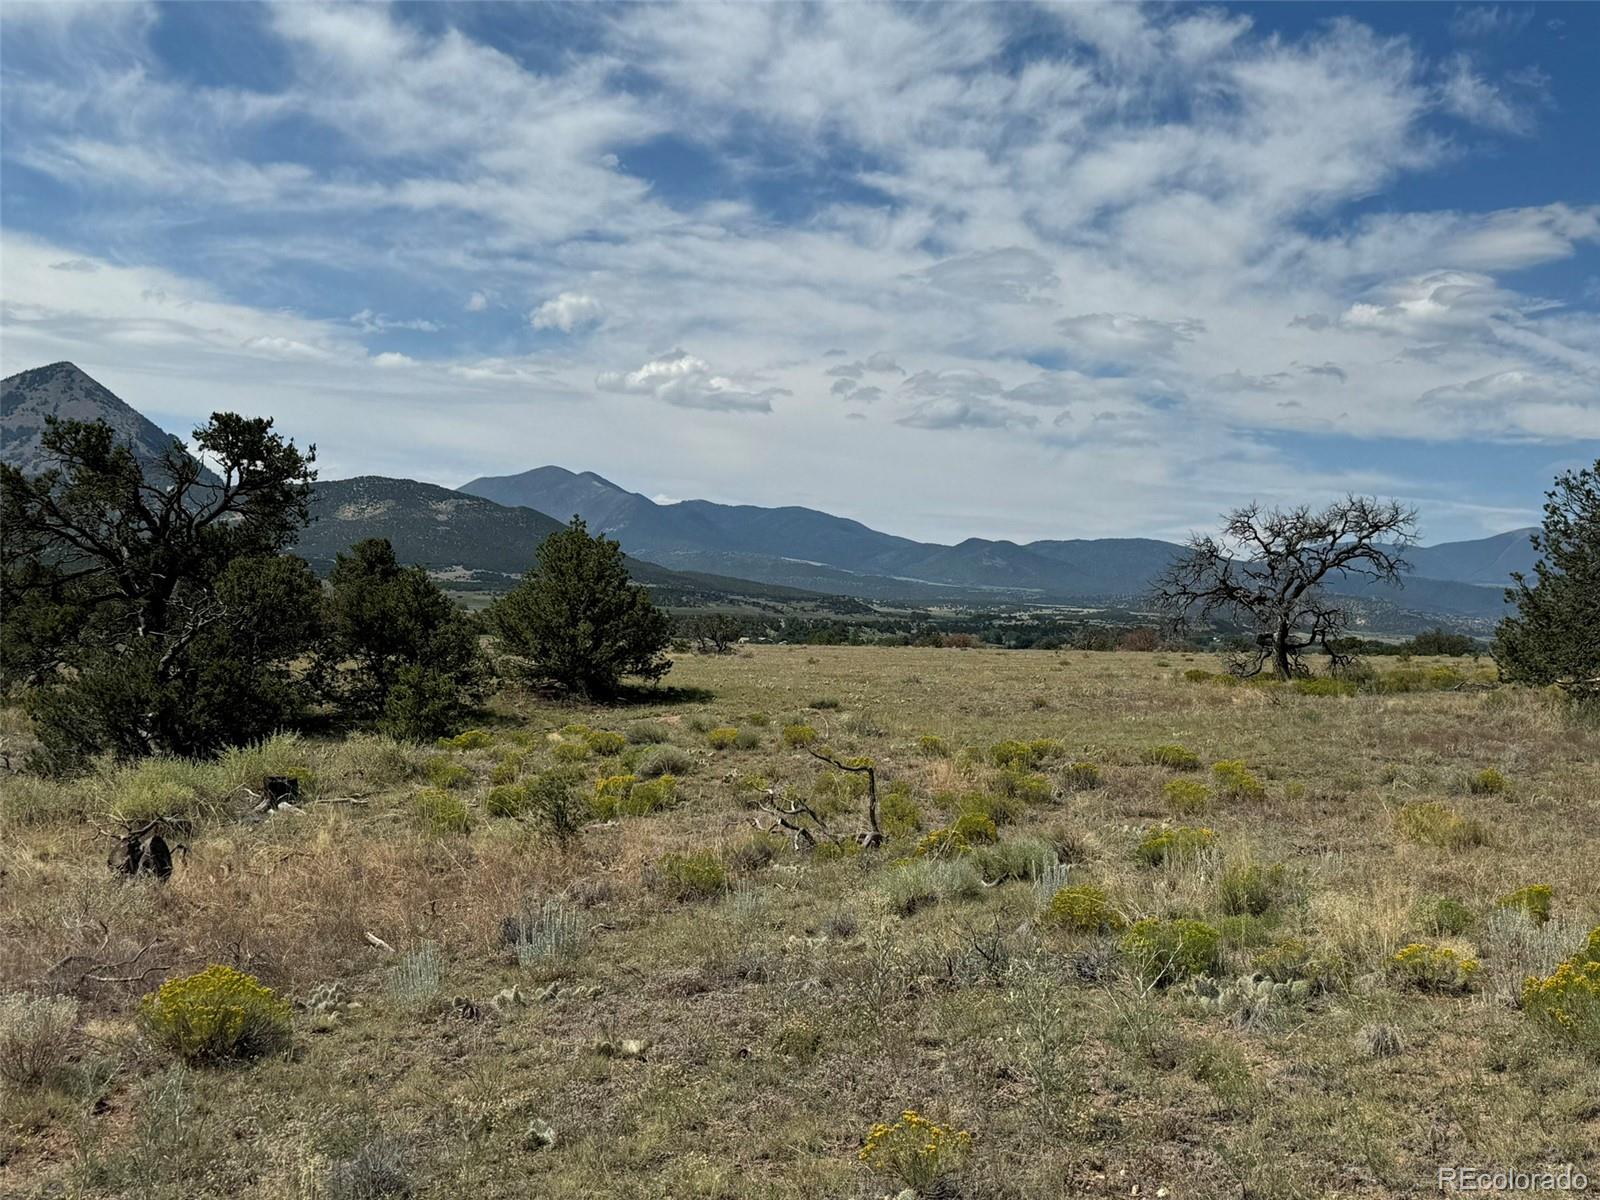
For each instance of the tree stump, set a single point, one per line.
(141, 851)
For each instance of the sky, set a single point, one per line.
(996, 270)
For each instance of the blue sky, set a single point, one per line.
(1002, 270)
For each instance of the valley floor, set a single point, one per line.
(704, 1011)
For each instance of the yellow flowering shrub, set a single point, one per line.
(1235, 782)
(439, 811)
(1567, 1001)
(1533, 900)
(975, 828)
(216, 1015)
(916, 1151)
(1177, 844)
(943, 843)
(1082, 908)
(1187, 797)
(611, 793)
(1434, 968)
(933, 746)
(1487, 782)
(799, 735)
(722, 737)
(604, 742)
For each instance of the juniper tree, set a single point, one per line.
(1267, 569)
(149, 606)
(577, 621)
(402, 639)
(1555, 636)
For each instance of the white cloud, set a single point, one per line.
(1109, 243)
(681, 379)
(567, 312)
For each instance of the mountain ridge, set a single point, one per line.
(782, 544)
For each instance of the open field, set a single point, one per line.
(735, 1024)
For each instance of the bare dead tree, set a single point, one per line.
(1267, 569)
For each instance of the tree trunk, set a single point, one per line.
(1280, 650)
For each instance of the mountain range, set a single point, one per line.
(802, 547)
(486, 532)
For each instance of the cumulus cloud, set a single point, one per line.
(1161, 230)
(567, 312)
(680, 378)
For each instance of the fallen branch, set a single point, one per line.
(874, 834)
(374, 940)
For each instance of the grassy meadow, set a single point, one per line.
(673, 1003)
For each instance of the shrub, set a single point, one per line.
(570, 752)
(1165, 952)
(35, 1034)
(1080, 777)
(215, 1015)
(1082, 908)
(667, 760)
(1197, 675)
(1435, 824)
(1023, 858)
(933, 746)
(1028, 787)
(693, 876)
(610, 793)
(443, 773)
(722, 737)
(799, 735)
(1187, 797)
(1174, 757)
(943, 843)
(604, 742)
(549, 802)
(441, 812)
(1566, 1002)
(975, 827)
(916, 1151)
(898, 813)
(1002, 809)
(1285, 961)
(748, 739)
(421, 704)
(1433, 968)
(470, 739)
(922, 882)
(825, 704)
(1235, 782)
(1442, 916)
(1249, 889)
(506, 800)
(507, 770)
(650, 796)
(1177, 844)
(1487, 782)
(1533, 900)
(648, 733)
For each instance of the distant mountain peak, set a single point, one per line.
(67, 392)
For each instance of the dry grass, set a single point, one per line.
(743, 1042)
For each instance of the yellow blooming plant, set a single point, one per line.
(915, 1150)
(1567, 1001)
(215, 1015)
(1435, 968)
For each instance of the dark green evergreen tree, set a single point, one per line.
(154, 609)
(576, 620)
(1555, 636)
(391, 624)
